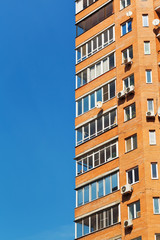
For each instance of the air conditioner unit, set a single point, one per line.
(130, 89)
(150, 114)
(121, 94)
(128, 223)
(126, 189)
(128, 61)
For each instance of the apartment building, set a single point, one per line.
(117, 122)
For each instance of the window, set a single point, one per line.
(134, 210)
(154, 170)
(131, 143)
(82, 4)
(130, 112)
(98, 189)
(96, 127)
(129, 81)
(127, 53)
(152, 137)
(88, 102)
(97, 157)
(126, 27)
(81, 78)
(95, 70)
(96, 44)
(148, 76)
(94, 19)
(150, 105)
(147, 48)
(133, 176)
(156, 205)
(102, 219)
(145, 20)
(157, 236)
(124, 3)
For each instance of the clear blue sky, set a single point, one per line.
(37, 169)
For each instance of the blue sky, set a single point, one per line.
(37, 169)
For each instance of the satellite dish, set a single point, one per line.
(99, 104)
(129, 13)
(155, 22)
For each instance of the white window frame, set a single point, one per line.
(131, 143)
(94, 66)
(121, 6)
(135, 212)
(152, 141)
(81, 73)
(129, 81)
(130, 112)
(156, 170)
(158, 204)
(148, 70)
(79, 6)
(82, 8)
(149, 44)
(95, 97)
(157, 235)
(125, 23)
(108, 145)
(143, 20)
(97, 188)
(132, 175)
(84, 139)
(127, 49)
(104, 222)
(152, 105)
(93, 51)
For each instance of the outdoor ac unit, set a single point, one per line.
(150, 114)
(121, 94)
(130, 89)
(127, 61)
(126, 189)
(128, 223)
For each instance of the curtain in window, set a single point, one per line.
(92, 73)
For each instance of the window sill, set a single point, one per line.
(125, 34)
(98, 230)
(155, 178)
(84, 8)
(129, 119)
(131, 150)
(95, 52)
(133, 183)
(85, 204)
(135, 218)
(121, 9)
(95, 106)
(93, 26)
(97, 166)
(99, 134)
(96, 78)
